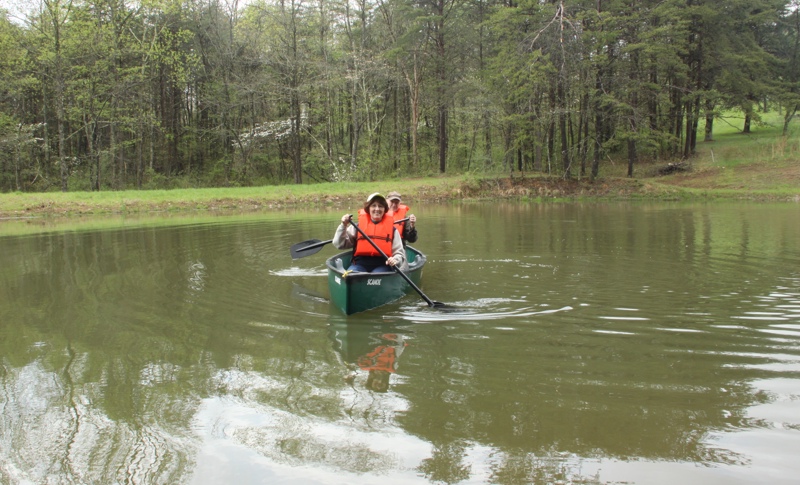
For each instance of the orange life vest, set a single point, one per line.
(380, 233)
(401, 212)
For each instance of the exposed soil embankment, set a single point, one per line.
(548, 188)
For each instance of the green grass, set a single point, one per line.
(765, 143)
(241, 198)
(734, 164)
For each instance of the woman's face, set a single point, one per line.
(376, 211)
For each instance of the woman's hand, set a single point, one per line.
(412, 219)
(346, 219)
(391, 261)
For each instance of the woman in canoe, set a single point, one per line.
(376, 223)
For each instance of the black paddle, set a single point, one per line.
(307, 248)
(313, 246)
(431, 303)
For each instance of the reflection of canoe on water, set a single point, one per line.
(357, 292)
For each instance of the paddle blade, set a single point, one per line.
(307, 248)
(446, 307)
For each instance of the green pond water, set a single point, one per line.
(647, 343)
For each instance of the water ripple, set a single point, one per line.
(295, 272)
(471, 311)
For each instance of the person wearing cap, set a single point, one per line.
(398, 210)
(376, 222)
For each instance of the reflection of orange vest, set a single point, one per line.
(380, 233)
(401, 212)
(382, 358)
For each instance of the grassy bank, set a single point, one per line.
(760, 166)
(239, 199)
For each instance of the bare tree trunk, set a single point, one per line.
(632, 156)
(414, 88)
(112, 153)
(355, 128)
(441, 67)
(442, 135)
(566, 163)
(709, 131)
(790, 114)
(551, 130)
(687, 144)
(46, 135)
(62, 152)
(695, 126)
(295, 143)
(89, 128)
(584, 139)
(139, 160)
(18, 159)
(58, 13)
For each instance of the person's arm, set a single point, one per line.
(398, 251)
(345, 236)
(410, 229)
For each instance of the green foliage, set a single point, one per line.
(196, 94)
(153, 180)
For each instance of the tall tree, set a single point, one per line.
(787, 48)
(52, 24)
(216, 92)
(404, 24)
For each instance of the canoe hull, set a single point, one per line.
(358, 292)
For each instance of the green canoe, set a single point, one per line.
(357, 292)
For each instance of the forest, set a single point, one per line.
(99, 95)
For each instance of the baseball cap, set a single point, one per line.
(376, 195)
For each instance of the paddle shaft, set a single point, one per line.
(315, 245)
(395, 268)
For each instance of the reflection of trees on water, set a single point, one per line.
(575, 396)
(110, 344)
(447, 463)
(57, 426)
(655, 389)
